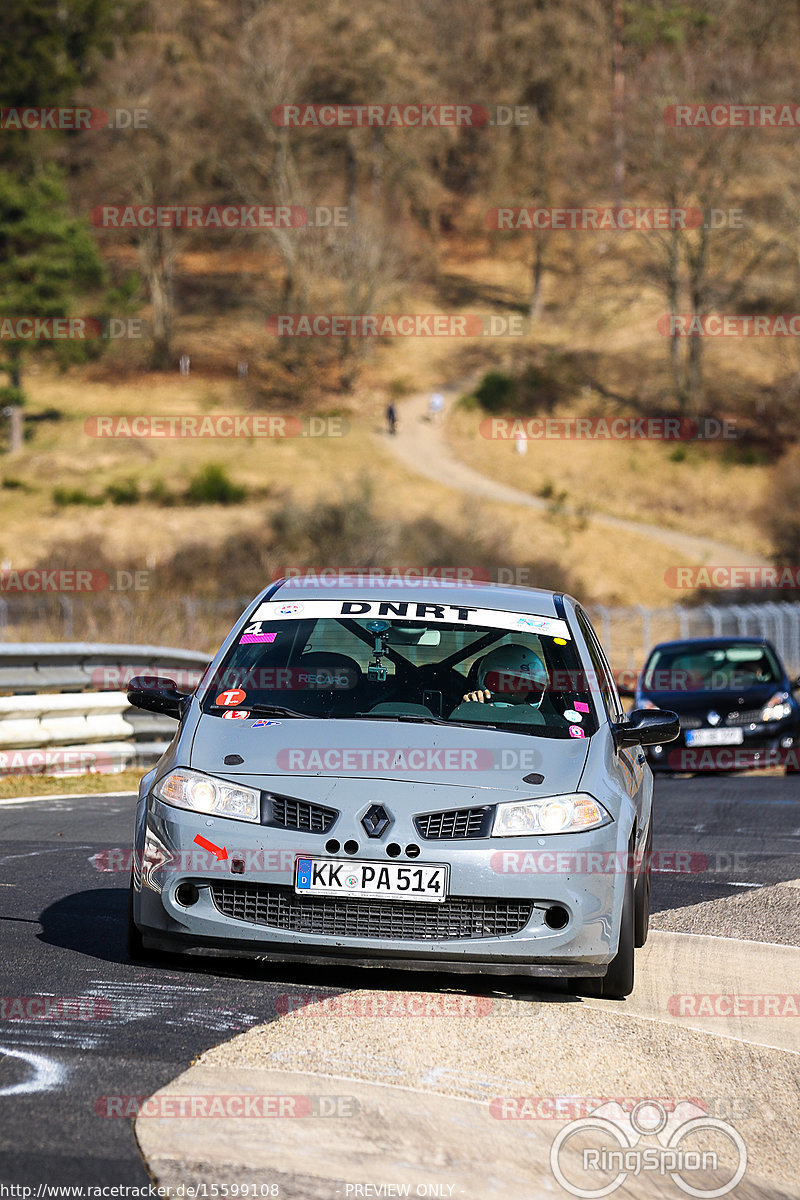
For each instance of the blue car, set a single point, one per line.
(735, 702)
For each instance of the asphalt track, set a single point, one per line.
(62, 928)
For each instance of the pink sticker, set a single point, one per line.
(246, 638)
(581, 707)
(576, 731)
(237, 714)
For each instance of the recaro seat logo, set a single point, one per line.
(593, 1156)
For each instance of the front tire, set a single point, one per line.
(617, 983)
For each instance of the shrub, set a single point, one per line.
(62, 497)
(212, 485)
(126, 492)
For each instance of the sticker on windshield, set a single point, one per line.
(572, 715)
(231, 697)
(582, 706)
(254, 632)
(425, 612)
(576, 731)
(237, 714)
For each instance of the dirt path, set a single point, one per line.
(422, 447)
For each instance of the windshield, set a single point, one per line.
(710, 668)
(368, 660)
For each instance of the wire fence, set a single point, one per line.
(200, 623)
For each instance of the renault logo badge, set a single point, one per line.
(376, 820)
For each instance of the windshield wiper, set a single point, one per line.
(277, 710)
(420, 720)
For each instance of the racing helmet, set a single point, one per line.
(513, 674)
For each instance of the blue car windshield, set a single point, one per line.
(522, 676)
(710, 668)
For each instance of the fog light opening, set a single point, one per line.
(187, 895)
(556, 917)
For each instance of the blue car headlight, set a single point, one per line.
(777, 707)
(202, 793)
(570, 813)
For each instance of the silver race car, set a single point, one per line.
(435, 777)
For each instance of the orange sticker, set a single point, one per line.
(231, 697)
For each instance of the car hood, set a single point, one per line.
(718, 700)
(318, 751)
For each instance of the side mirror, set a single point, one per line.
(647, 727)
(157, 695)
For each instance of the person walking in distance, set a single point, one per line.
(391, 418)
(435, 406)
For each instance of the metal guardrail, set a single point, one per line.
(628, 634)
(63, 710)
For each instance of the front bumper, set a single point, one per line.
(773, 744)
(582, 873)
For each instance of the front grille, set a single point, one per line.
(328, 916)
(455, 823)
(747, 716)
(301, 815)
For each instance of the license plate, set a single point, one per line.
(714, 737)
(331, 876)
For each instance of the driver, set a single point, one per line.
(510, 675)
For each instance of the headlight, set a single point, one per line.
(201, 793)
(551, 814)
(777, 707)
